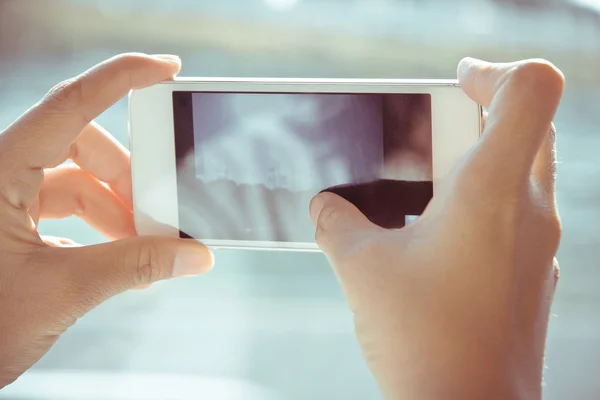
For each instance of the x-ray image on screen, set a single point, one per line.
(254, 160)
(287, 141)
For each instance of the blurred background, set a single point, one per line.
(275, 325)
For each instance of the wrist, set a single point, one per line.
(459, 386)
(432, 375)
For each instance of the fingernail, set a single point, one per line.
(192, 262)
(315, 207)
(168, 57)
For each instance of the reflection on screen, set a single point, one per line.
(249, 163)
(287, 141)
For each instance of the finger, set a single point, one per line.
(544, 166)
(522, 98)
(480, 80)
(69, 190)
(338, 223)
(99, 153)
(44, 132)
(92, 274)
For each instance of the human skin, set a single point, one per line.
(456, 305)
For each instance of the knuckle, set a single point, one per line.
(148, 265)
(547, 218)
(554, 230)
(79, 188)
(81, 183)
(67, 94)
(540, 74)
(18, 185)
(549, 228)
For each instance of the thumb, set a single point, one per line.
(102, 271)
(522, 99)
(480, 80)
(338, 222)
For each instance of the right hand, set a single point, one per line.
(456, 305)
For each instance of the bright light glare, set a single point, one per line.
(592, 4)
(281, 5)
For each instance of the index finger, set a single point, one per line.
(44, 132)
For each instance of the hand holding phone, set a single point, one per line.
(47, 283)
(456, 305)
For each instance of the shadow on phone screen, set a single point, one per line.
(387, 202)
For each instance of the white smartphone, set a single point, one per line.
(234, 163)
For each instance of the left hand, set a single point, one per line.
(46, 284)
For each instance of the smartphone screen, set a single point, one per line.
(248, 164)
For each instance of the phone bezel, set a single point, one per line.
(456, 126)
